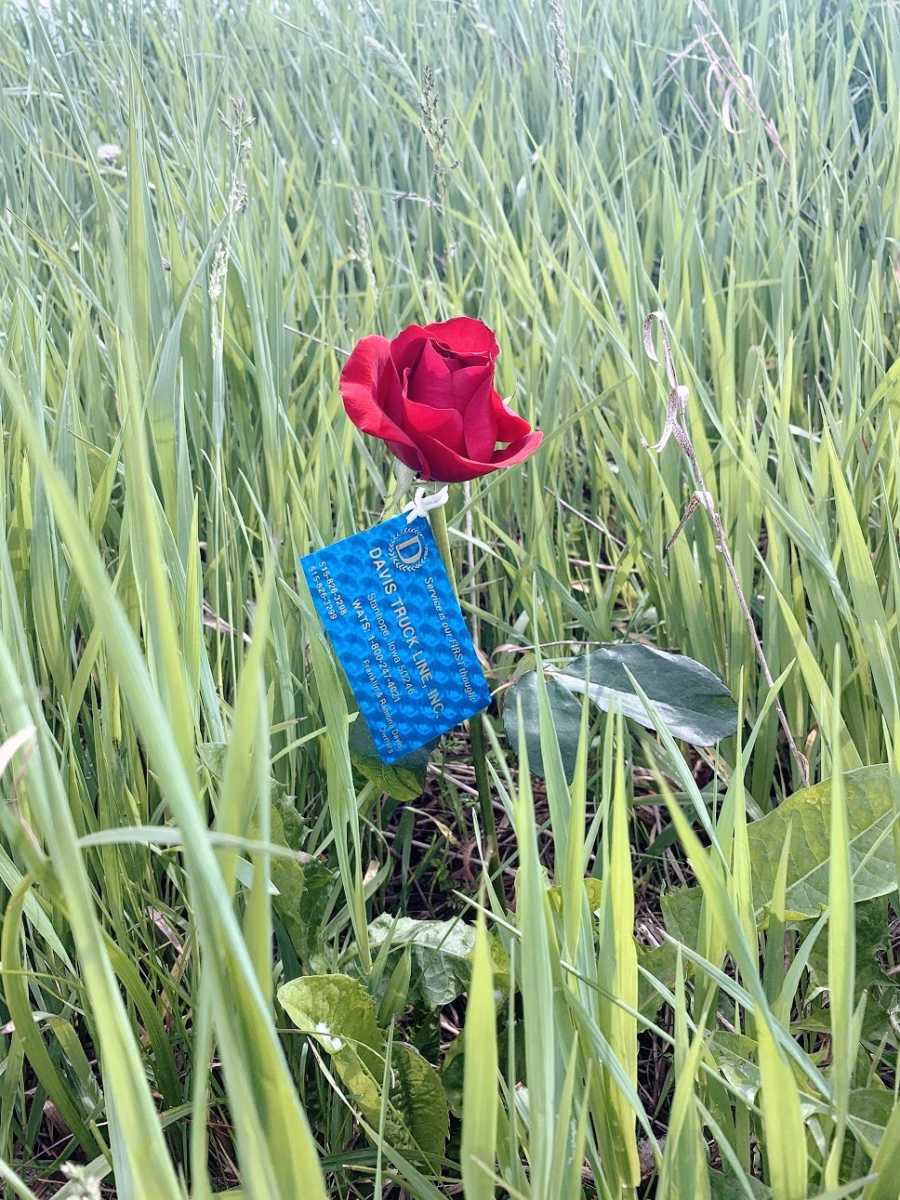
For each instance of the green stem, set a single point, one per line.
(483, 783)
(442, 537)
(476, 723)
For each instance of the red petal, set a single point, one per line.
(429, 381)
(467, 382)
(510, 426)
(445, 425)
(410, 456)
(447, 467)
(407, 346)
(481, 424)
(517, 452)
(373, 398)
(465, 335)
(434, 381)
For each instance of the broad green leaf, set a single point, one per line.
(303, 890)
(566, 710)
(287, 876)
(872, 935)
(774, 969)
(871, 1109)
(340, 1015)
(418, 1094)
(339, 1012)
(661, 963)
(593, 890)
(869, 816)
(441, 953)
(403, 780)
(692, 702)
(886, 1163)
(726, 1187)
(682, 909)
(292, 824)
(736, 1057)
(454, 936)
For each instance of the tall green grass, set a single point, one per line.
(203, 206)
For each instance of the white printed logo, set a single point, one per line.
(407, 550)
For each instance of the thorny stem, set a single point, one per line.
(676, 426)
(476, 723)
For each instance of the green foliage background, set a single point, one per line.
(203, 206)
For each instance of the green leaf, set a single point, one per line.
(441, 955)
(735, 1057)
(782, 1119)
(872, 935)
(339, 1014)
(869, 813)
(403, 780)
(566, 712)
(661, 962)
(419, 1095)
(593, 890)
(726, 1187)
(302, 893)
(682, 909)
(871, 1110)
(693, 703)
(886, 1164)
(869, 816)
(479, 1132)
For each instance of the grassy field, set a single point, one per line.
(236, 960)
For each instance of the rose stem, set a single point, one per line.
(476, 723)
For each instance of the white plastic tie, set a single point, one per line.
(424, 501)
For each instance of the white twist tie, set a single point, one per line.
(424, 501)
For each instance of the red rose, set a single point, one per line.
(430, 395)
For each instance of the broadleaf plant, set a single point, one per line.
(338, 1013)
(693, 703)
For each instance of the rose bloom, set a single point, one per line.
(429, 393)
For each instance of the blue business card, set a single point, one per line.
(388, 607)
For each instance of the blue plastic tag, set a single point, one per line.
(388, 607)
